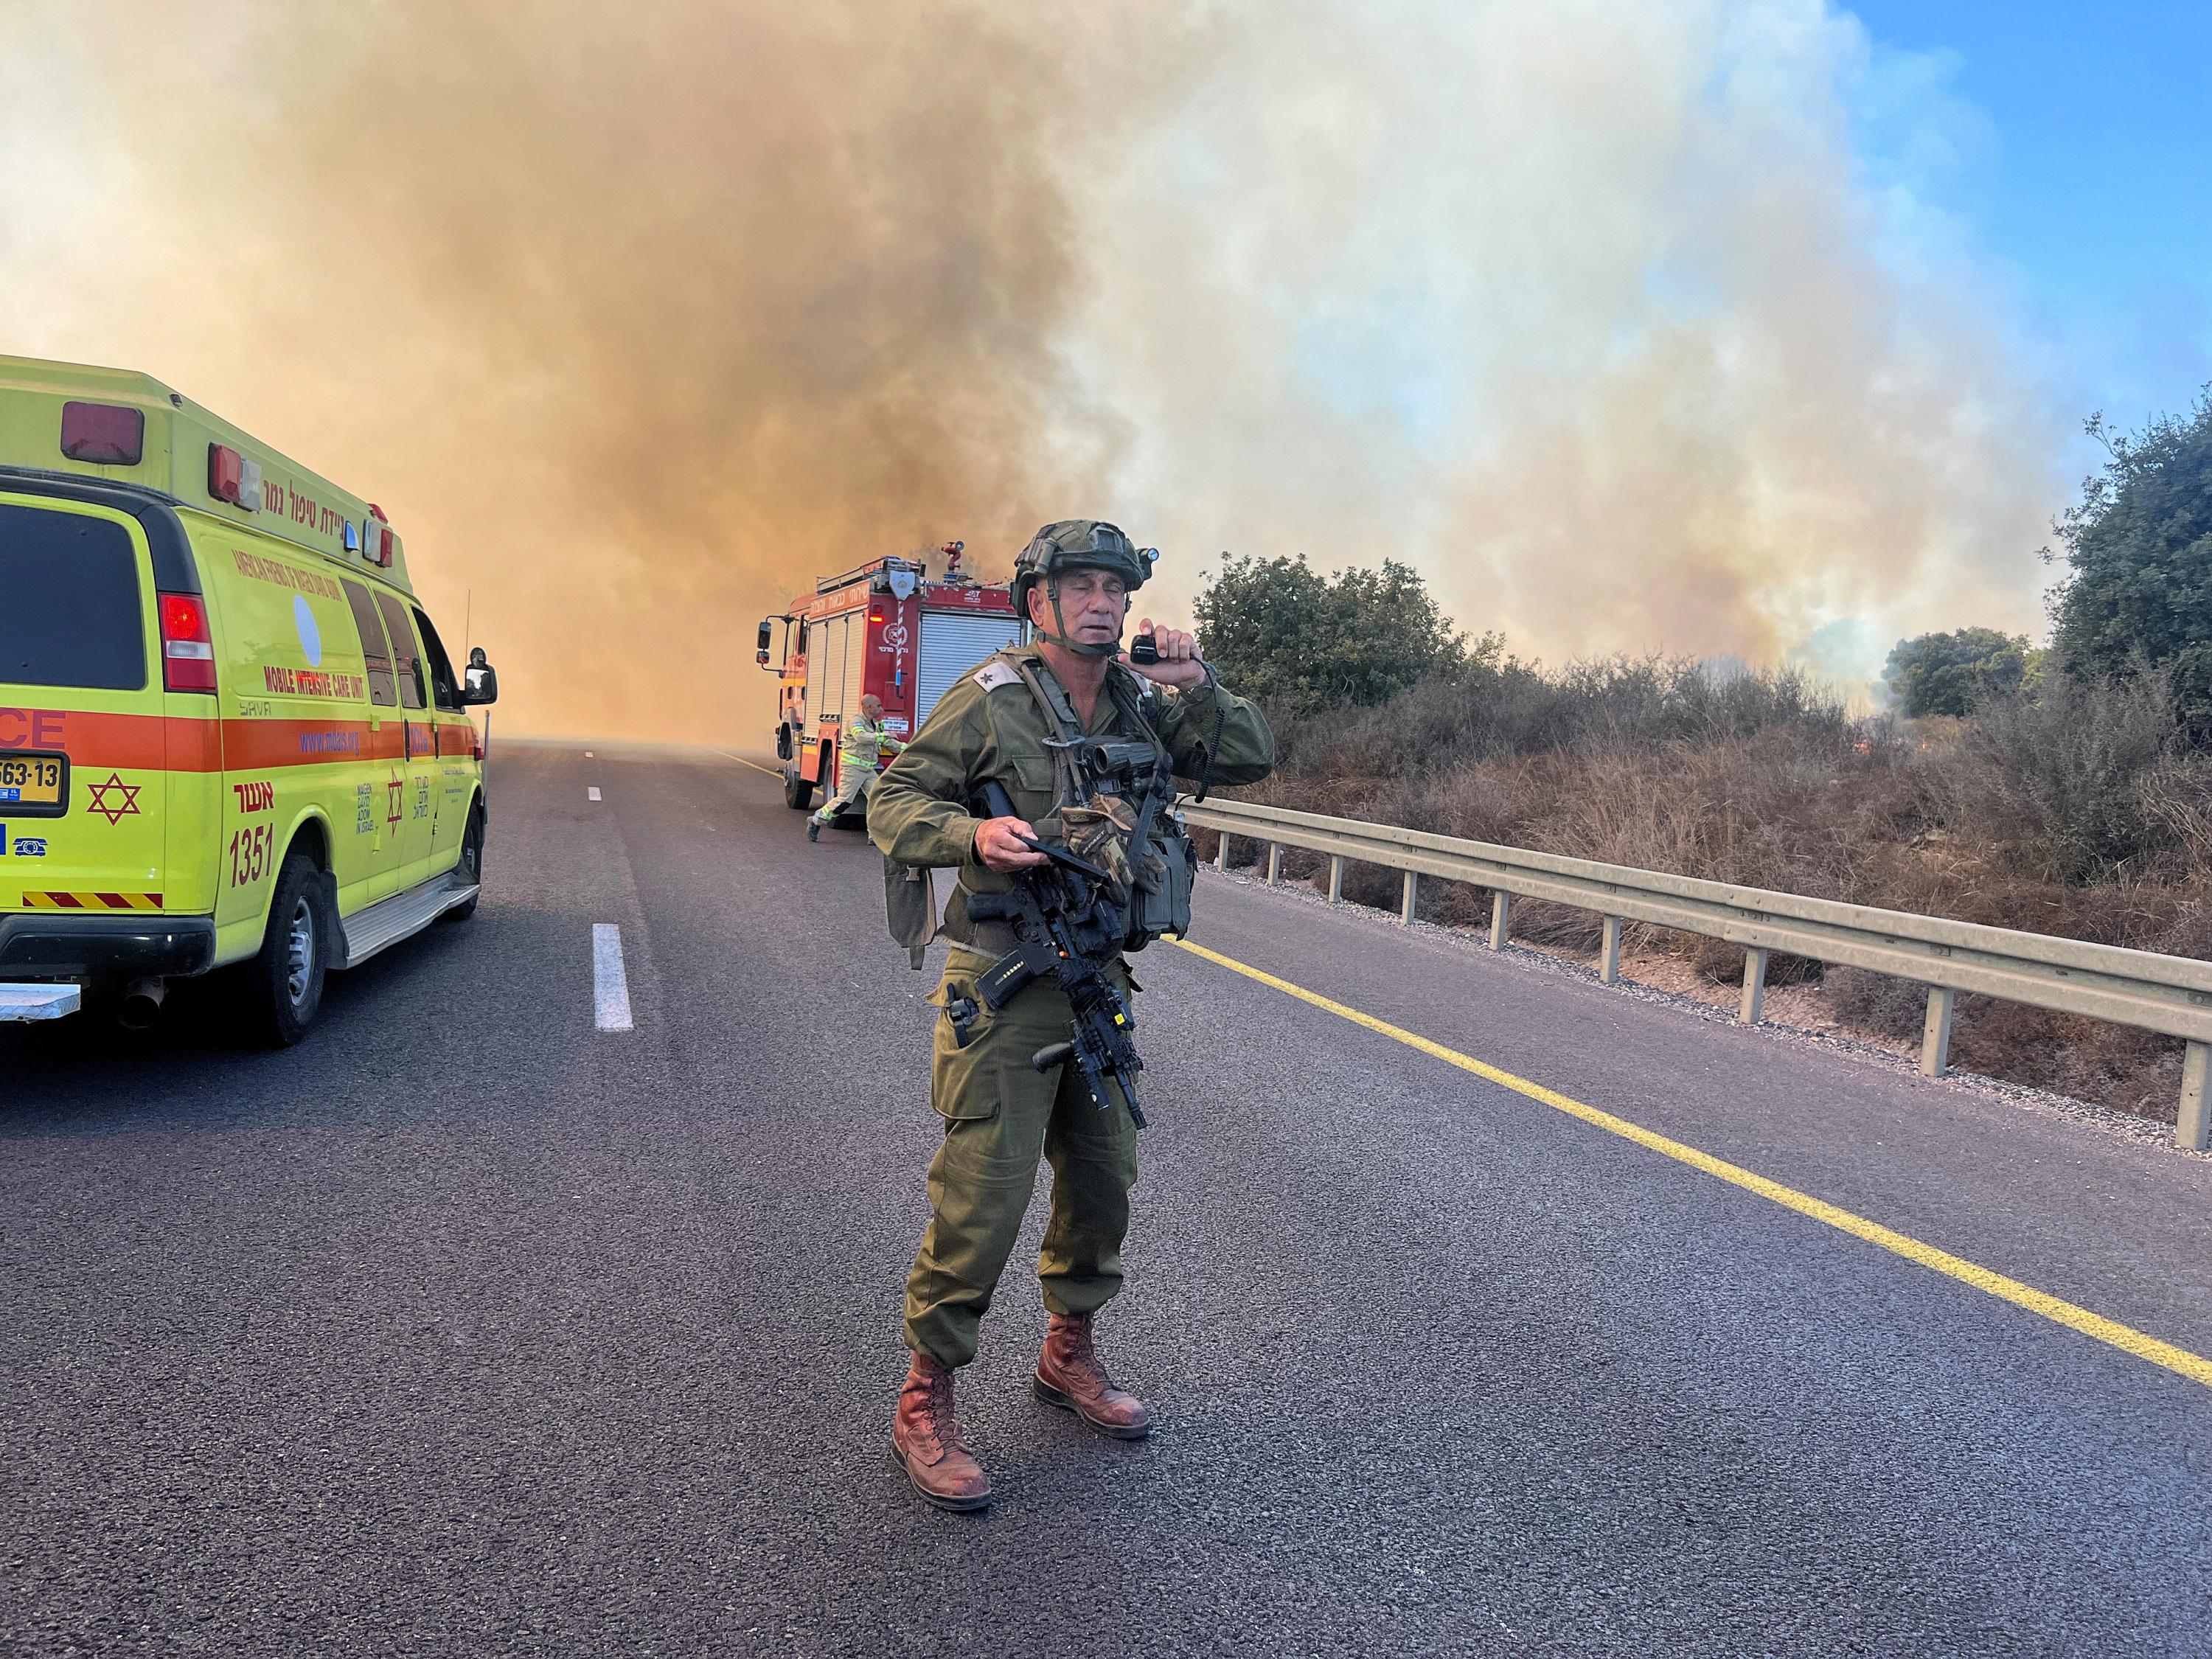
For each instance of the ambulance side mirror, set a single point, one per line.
(479, 680)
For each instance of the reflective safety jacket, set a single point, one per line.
(863, 743)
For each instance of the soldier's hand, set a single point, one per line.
(1180, 665)
(996, 846)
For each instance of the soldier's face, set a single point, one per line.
(1094, 602)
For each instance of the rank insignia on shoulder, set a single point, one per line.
(992, 675)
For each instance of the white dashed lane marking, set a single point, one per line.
(590, 791)
(609, 984)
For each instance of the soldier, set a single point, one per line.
(1073, 583)
(860, 749)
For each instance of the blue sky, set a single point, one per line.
(2084, 167)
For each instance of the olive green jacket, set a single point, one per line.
(989, 726)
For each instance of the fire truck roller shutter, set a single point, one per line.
(831, 634)
(856, 661)
(952, 643)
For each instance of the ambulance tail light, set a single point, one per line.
(106, 434)
(187, 645)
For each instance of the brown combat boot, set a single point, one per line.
(926, 1440)
(1069, 1375)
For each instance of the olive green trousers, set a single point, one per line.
(1002, 1116)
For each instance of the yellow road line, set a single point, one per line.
(756, 765)
(2196, 1367)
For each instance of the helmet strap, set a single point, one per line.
(1102, 649)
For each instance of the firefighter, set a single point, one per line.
(861, 756)
(1073, 583)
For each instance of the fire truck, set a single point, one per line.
(889, 628)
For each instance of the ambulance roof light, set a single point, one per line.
(106, 434)
(233, 478)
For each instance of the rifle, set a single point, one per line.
(1066, 923)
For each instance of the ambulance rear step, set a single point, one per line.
(403, 916)
(28, 1002)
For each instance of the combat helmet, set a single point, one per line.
(1077, 544)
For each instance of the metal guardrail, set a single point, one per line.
(2142, 988)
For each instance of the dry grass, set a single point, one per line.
(2076, 814)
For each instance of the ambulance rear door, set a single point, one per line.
(83, 780)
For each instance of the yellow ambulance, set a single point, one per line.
(229, 736)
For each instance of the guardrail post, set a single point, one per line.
(1935, 1032)
(1274, 864)
(1501, 917)
(1412, 892)
(1221, 854)
(1608, 967)
(1335, 878)
(2192, 1122)
(1755, 983)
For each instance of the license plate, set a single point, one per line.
(33, 786)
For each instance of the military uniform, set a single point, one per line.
(1002, 1116)
(860, 749)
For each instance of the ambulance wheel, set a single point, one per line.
(284, 985)
(798, 794)
(469, 870)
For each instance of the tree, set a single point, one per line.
(1278, 629)
(2139, 544)
(1954, 673)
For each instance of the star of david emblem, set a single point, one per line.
(113, 799)
(395, 786)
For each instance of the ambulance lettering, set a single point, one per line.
(364, 809)
(32, 728)
(310, 683)
(255, 797)
(250, 850)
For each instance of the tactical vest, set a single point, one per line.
(1113, 804)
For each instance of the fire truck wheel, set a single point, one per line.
(798, 794)
(282, 988)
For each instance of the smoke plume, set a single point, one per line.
(638, 320)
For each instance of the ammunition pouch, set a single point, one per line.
(910, 907)
(1159, 900)
(1152, 876)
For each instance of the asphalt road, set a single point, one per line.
(471, 1328)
